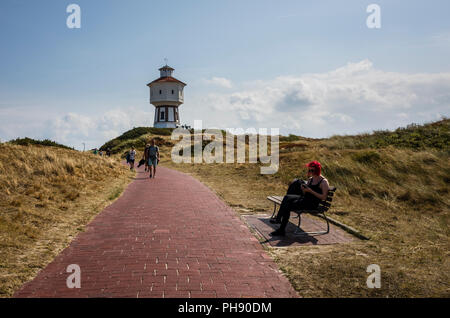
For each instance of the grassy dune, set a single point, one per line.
(399, 201)
(48, 195)
(392, 186)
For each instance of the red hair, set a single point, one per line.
(317, 167)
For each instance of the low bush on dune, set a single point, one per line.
(289, 138)
(29, 141)
(136, 137)
(433, 135)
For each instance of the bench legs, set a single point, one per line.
(296, 232)
(274, 210)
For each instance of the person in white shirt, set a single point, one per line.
(132, 156)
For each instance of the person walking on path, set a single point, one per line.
(145, 157)
(153, 158)
(132, 156)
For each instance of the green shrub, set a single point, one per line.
(418, 137)
(289, 138)
(29, 141)
(134, 137)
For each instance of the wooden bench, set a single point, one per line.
(323, 207)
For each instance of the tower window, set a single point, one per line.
(172, 91)
(160, 92)
(162, 115)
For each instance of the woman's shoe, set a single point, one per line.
(274, 221)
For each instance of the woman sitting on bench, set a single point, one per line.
(315, 191)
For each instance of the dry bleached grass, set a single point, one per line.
(393, 187)
(398, 197)
(47, 196)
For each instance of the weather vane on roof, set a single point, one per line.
(166, 60)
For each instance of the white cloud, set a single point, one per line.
(354, 98)
(71, 129)
(75, 128)
(219, 81)
(351, 99)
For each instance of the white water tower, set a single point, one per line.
(166, 94)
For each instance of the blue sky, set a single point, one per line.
(306, 67)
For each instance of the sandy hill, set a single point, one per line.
(393, 186)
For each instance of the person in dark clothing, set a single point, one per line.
(296, 187)
(145, 157)
(153, 158)
(314, 191)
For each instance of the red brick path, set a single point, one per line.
(165, 237)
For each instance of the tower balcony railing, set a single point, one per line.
(176, 100)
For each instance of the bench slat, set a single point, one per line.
(274, 199)
(324, 203)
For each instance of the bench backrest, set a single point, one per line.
(326, 204)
